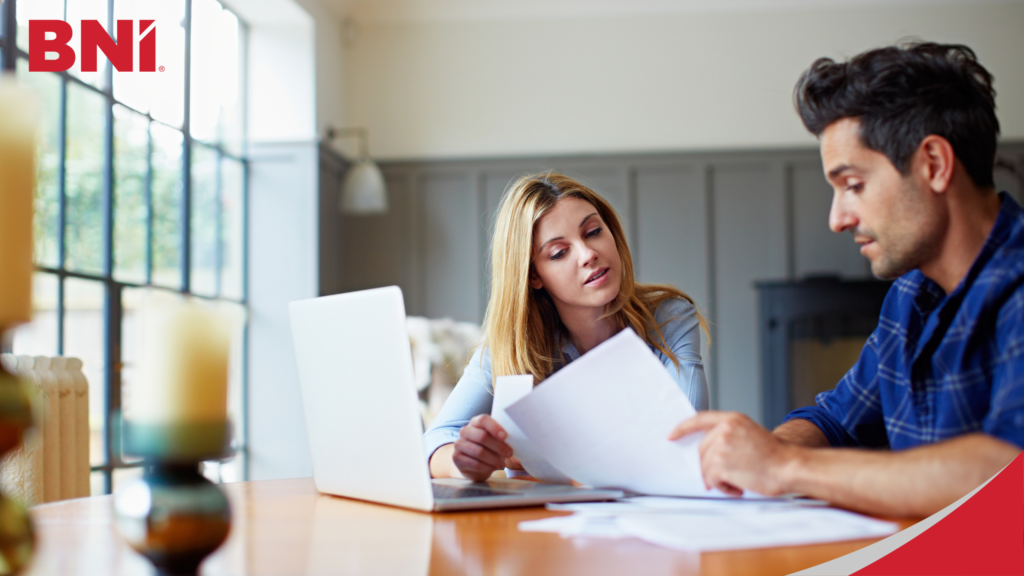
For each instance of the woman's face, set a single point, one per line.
(574, 256)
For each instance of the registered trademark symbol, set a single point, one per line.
(161, 68)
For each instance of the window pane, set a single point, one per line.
(233, 228)
(215, 94)
(39, 337)
(37, 10)
(78, 10)
(84, 179)
(167, 190)
(124, 475)
(96, 482)
(233, 131)
(204, 228)
(47, 87)
(161, 91)
(132, 301)
(131, 149)
(236, 383)
(83, 338)
(168, 95)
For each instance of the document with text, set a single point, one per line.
(603, 421)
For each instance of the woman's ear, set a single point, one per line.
(535, 281)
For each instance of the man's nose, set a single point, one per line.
(840, 218)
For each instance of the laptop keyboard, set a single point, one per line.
(446, 492)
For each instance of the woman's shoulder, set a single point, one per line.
(674, 309)
(677, 319)
(480, 362)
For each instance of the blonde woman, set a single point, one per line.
(562, 283)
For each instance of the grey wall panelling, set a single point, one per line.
(709, 223)
(750, 245)
(448, 245)
(816, 249)
(332, 237)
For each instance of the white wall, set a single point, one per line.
(330, 65)
(444, 87)
(287, 56)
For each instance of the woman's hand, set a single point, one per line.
(481, 448)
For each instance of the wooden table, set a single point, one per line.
(284, 527)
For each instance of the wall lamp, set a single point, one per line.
(363, 191)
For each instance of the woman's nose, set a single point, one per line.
(587, 254)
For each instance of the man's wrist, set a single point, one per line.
(791, 467)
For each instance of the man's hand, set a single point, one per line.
(481, 448)
(737, 453)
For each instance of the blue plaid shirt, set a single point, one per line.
(939, 365)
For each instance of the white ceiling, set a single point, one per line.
(413, 10)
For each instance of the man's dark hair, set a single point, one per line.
(901, 94)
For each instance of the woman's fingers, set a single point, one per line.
(490, 425)
(481, 453)
(484, 437)
(472, 468)
(513, 463)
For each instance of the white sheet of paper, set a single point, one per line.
(664, 505)
(603, 420)
(507, 390)
(703, 530)
(764, 528)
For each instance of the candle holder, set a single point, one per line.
(173, 515)
(17, 538)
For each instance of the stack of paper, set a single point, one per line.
(703, 525)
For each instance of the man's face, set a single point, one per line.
(895, 219)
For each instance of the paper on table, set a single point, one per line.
(663, 505)
(699, 531)
(783, 527)
(603, 420)
(507, 390)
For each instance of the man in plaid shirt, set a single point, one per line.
(935, 404)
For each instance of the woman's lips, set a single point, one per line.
(598, 278)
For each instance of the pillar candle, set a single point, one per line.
(17, 175)
(183, 376)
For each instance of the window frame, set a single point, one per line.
(113, 312)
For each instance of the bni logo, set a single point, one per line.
(121, 53)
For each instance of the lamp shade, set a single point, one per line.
(363, 191)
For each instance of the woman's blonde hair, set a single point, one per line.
(522, 327)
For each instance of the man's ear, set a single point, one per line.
(935, 162)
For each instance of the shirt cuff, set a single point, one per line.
(438, 437)
(837, 436)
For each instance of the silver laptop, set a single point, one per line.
(363, 417)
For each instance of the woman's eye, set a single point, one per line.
(593, 233)
(558, 254)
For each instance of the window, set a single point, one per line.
(140, 186)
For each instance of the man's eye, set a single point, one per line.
(593, 233)
(558, 254)
(855, 187)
